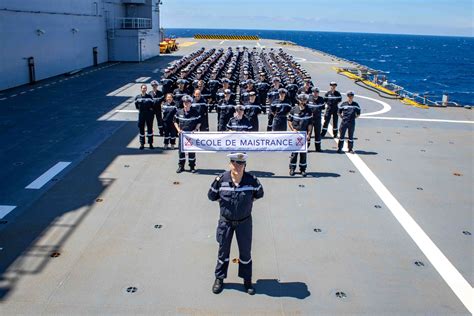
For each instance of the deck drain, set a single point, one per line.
(341, 295)
(176, 182)
(54, 179)
(87, 152)
(423, 151)
(452, 143)
(419, 189)
(388, 159)
(431, 142)
(235, 260)
(126, 166)
(99, 200)
(377, 206)
(158, 226)
(301, 185)
(425, 127)
(3, 222)
(317, 230)
(18, 163)
(419, 264)
(467, 233)
(367, 139)
(131, 289)
(352, 171)
(389, 140)
(398, 133)
(457, 174)
(55, 255)
(379, 132)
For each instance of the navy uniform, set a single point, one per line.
(213, 86)
(169, 130)
(332, 100)
(167, 85)
(272, 95)
(235, 201)
(300, 119)
(349, 111)
(237, 124)
(202, 107)
(144, 105)
(180, 92)
(187, 121)
(252, 110)
(262, 89)
(225, 111)
(158, 97)
(292, 88)
(316, 105)
(280, 109)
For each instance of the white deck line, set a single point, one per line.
(142, 79)
(415, 119)
(445, 268)
(48, 175)
(117, 91)
(5, 209)
(127, 111)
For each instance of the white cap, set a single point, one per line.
(350, 92)
(238, 157)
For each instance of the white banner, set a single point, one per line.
(243, 141)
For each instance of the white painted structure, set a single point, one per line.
(62, 36)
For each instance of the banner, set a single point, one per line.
(243, 141)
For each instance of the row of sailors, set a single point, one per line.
(305, 116)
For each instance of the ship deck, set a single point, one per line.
(357, 224)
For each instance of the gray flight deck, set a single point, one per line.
(100, 214)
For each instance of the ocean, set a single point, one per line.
(431, 65)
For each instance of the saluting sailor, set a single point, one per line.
(235, 190)
(348, 111)
(299, 120)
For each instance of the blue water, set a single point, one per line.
(431, 65)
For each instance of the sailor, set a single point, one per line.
(332, 98)
(180, 92)
(252, 109)
(225, 86)
(262, 91)
(200, 104)
(169, 111)
(316, 105)
(292, 88)
(225, 110)
(144, 105)
(306, 88)
(348, 111)
(239, 123)
(272, 95)
(299, 120)
(280, 109)
(167, 83)
(187, 119)
(158, 97)
(244, 95)
(235, 190)
(213, 84)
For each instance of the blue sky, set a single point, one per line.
(435, 17)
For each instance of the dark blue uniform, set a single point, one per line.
(252, 110)
(262, 93)
(157, 100)
(349, 112)
(239, 125)
(187, 121)
(272, 95)
(292, 92)
(332, 100)
(144, 105)
(167, 85)
(281, 110)
(169, 111)
(225, 111)
(300, 120)
(316, 105)
(235, 203)
(202, 107)
(178, 96)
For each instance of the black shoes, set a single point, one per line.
(180, 169)
(292, 172)
(141, 147)
(351, 151)
(248, 287)
(192, 169)
(339, 151)
(303, 174)
(218, 286)
(151, 146)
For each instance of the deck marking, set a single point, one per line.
(48, 175)
(156, 70)
(13, 95)
(5, 209)
(386, 107)
(127, 111)
(320, 62)
(142, 79)
(417, 119)
(3, 99)
(22, 92)
(222, 42)
(445, 268)
(122, 88)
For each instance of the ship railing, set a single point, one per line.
(134, 23)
